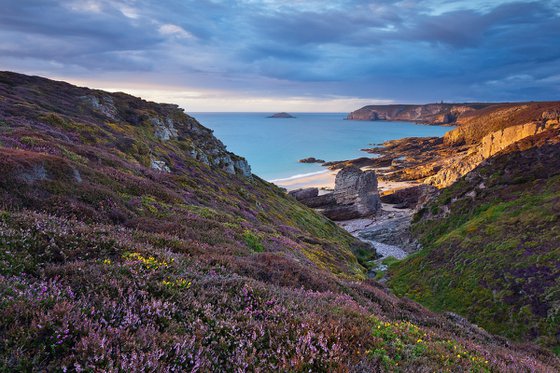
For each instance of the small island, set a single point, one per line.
(311, 160)
(281, 115)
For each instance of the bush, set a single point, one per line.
(253, 241)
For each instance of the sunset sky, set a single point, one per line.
(300, 55)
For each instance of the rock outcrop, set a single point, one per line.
(428, 114)
(411, 197)
(490, 145)
(355, 195)
(481, 133)
(304, 193)
(311, 160)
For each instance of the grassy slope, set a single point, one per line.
(494, 258)
(107, 264)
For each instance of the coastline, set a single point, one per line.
(325, 180)
(320, 179)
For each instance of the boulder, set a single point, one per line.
(304, 193)
(409, 198)
(355, 195)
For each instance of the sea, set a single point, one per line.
(273, 146)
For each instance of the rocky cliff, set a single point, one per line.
(428, 114)
(485, 142)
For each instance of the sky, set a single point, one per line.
(282, 55)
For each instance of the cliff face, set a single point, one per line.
(429, 114)
(475, 125)
(484, 141)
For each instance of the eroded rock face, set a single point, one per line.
(170, 122)
(104, 105)
(354, 187)
(489, 146)
(499, 140)
(355, 195)
(164, 129)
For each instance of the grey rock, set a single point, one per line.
(36, 173)
(412, 197)
(304, 193)
(160, 166)
(355, 196)
(104, 105)
(164, 129)
(242, 166)
(77, 176)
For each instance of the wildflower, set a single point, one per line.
(107, 261)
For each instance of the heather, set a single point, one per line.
(132, 240)
(75, 296)
(491, 246)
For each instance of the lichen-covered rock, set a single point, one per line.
(103, 104)
(164, 129)
(160, 166)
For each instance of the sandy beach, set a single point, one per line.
(322, 180)
(325, 180)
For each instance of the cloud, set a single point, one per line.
(408, 50)
(174, 30)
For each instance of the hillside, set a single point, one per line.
(492, 245)
(132, 240)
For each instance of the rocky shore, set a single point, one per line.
(374, 198)
(357, 206)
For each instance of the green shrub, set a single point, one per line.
(253, 241)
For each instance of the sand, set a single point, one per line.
(325, 180)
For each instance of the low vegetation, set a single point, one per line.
(107, 264)
(491, 248)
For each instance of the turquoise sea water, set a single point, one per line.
(274, 146)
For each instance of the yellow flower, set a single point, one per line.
(107, 261)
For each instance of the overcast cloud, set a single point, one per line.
(214, 55)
